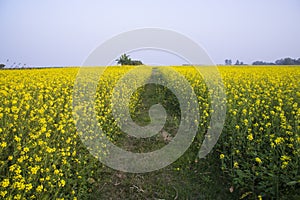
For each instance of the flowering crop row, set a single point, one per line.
(260, 142)
(41, 153)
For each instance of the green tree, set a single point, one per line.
(2, 66)
(228, 62)
(136, 62)
(126, 60)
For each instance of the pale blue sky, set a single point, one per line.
(64, 32)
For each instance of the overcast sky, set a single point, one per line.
(65, 32)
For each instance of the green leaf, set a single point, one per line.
(292, 183)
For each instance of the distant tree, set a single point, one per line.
(257, 63)
(126, 60)
(279, 62)
(228, 62)
(287, 61)
(283, 61)
(262, 63)
(2, 66)
(136, 62)
(239, 63)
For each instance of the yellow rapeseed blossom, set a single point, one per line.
(39, 188)
(5, 183)
(259, 197)
(3, 144)
(62, 183)
(250, 137)
(236, 164)
(279, 140)
(258, 160)
(3, 193)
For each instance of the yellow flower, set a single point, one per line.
(62, 183)
(17, 197)
(34, 170)
(39, 188)
(244, 111)
(279, 140)
(26, 149)
(284, 164)
(3, 144)
(222, 156)
(285, 158)
(37, 158)
(17, 139)
(236, 165)
(250, 137)
(19, 185)
(28, 187)
(272, 145)
(5, 183)
(298, 139)
(3, 193)
(258, 160)
(48, 134)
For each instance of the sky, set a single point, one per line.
(64, 33)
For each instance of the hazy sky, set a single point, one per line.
(65, 32)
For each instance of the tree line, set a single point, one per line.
(283, 61)
(124, 59)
